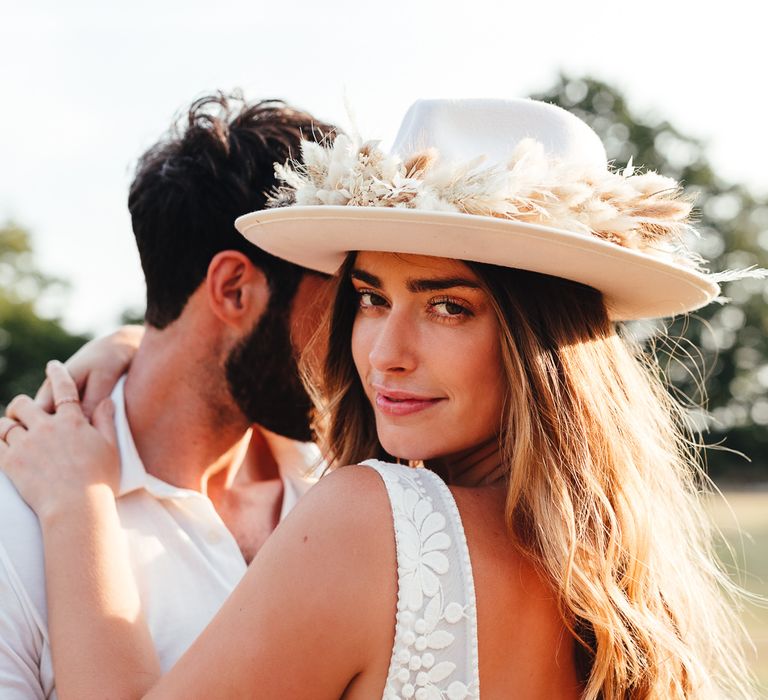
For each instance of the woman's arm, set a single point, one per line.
(314, 615)
(96, 626)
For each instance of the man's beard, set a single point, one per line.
(263, 378)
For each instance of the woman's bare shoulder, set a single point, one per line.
(354, 494)
(345, 518)
(340, 538)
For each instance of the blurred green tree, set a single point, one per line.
(722, 349)
(27, 339)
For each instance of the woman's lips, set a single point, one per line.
(398, 403)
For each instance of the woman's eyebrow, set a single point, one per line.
(436, 284)
(427, 284)
(366, 277)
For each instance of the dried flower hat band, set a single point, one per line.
(645, 212)
(511, 182)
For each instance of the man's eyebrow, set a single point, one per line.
(436, 284)
(367, 277)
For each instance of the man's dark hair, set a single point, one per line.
(214, 165)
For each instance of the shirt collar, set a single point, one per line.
(295, 460)
(133, 475)
(300, 464)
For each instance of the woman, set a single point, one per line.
(472, 336)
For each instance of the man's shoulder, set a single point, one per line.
(25, 660)
(21, 545)
(17, 520)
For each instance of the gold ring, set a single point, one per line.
(11, 427)
(61, 402)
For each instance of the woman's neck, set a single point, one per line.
(480, 465)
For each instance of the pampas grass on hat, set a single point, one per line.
(518, 183)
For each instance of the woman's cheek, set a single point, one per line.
(479, 364)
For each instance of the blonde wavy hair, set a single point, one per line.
(605, 488)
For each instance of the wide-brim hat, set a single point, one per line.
(517, 183)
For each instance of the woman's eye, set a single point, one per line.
(370, 299)
(450, 309)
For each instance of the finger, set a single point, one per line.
(8, 427)
(65, 396)
(24, 410)
(5, 425)
(104, 421)
(98, 387)
(44, 396)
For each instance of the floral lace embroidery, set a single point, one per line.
(428, 624)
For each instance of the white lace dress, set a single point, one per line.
(435, 652)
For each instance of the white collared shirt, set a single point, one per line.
(185, 561)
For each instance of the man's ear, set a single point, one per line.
(237, 290)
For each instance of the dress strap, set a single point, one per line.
(435, 651)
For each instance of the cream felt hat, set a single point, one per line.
(517, 183)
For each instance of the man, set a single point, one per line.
(211, 417)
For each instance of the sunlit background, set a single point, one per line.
(87, 87)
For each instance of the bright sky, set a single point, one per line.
(86, 86)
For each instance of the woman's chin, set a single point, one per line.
(426, 443)
(411, 450)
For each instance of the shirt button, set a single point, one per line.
(214, 537)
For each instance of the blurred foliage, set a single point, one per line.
(132, 316)
(720, 353)
(27, 340)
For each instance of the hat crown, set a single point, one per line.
(461, 130)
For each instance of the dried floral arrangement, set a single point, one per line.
(643, 211)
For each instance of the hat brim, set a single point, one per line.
(634, 285)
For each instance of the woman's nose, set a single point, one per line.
(392, 349)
